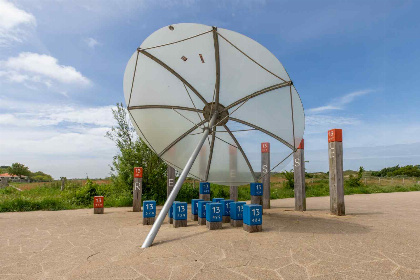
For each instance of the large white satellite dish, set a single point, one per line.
(211, 94)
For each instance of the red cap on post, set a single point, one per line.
(335, 135)
(265, 147)
(138, 172)
(301, 145)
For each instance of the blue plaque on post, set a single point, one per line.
(202, 208)
(237, 210)
(214, 212)
(194, 206)
(180, 210)
(226, 207)
(170, 213)
(204, 188)
(253, 214)
(218, 200)
(257, 189)
(149, 209)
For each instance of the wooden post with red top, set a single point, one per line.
(265, 173)
(98, 205)
(335, 155)
(299, 177)
(137, 188)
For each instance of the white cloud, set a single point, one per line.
(32, 68)
(60, 140)
(339, 103)
(91, 42)
(14, 23)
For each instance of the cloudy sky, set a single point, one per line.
(354, 63)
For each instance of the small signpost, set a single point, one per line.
(236, 213)
(179, 211)
(217, 199)
(252, 218)
(149, 212)
(137, 188)
(171, 213)
(256, 193)
(170, 182)
(299, 178)
(98, 205)
(226, 210)
(194, 209)
(265, 173)
(204, 192)
(214, 213)
(335, 154)
(202, 212)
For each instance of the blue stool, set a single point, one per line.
(256, 193)
(226, 210)
(214, 214)
(194, 209)
(201, 207)
(170, 213)
(252, 217)
(149, 212)
(204, 191)
(236, 213)
(179, 213)
(218, 200)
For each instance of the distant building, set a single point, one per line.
(13, 178)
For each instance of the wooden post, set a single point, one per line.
(299, 178)
(236, 213)
(194, 209)
(137, 188)
(226, 210)
(233, 169)
(63, 183)
(202, 212)
(265, 173)
(149, 212)
(252, 218)
(204, 192)
(335, 154)
(180, 214)
(257, 193)
(98, 205)
(170, 182)
(214, 214)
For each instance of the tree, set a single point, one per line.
(19, 169)
(290, 179)
(133, 152)
(41, 177)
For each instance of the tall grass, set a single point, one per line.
(78, 194)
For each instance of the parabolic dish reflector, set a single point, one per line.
(183, 73)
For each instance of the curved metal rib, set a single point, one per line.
(181, 137)
(263, 130)
(161, 63)
(242, 151)
(257, 93)
(164, 107)
(213, 135)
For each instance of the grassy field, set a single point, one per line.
(80, 193)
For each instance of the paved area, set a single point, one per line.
(378, 239)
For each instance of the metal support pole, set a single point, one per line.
(155, 228)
